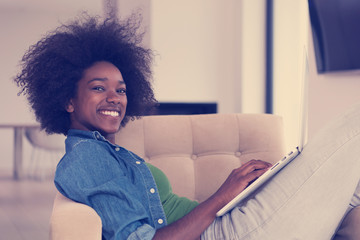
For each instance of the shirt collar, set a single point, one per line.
(87, 135)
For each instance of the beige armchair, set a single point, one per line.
(196, 152)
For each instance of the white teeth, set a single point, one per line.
(111, 113)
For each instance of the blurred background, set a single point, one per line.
(246, 56)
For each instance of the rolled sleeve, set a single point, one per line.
(144, 232)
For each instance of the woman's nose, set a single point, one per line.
(113, 97)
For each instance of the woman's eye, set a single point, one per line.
(122, 91)
(98, 88)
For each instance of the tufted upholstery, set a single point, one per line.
(205, 147)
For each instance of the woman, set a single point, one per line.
(88, 78)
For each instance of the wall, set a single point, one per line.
(201, 47)
(251, 66)
(330, 94)
(204, 49)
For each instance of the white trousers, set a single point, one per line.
(309, 197)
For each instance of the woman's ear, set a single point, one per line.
(70, 107)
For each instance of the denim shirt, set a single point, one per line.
(115, 182)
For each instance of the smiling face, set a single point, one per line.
(100, 103)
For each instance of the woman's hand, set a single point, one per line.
(239, 179)
(194, 223)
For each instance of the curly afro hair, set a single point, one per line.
(52, 67)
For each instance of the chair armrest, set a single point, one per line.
(74, 221)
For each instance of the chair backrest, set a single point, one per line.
(197, 152)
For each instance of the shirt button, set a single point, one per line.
(138, 162)
(152, 190)
(117, 149)
(160, 221)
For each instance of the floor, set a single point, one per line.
(25, 208)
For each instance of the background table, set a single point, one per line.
(18, 146)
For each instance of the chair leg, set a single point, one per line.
(32, 164)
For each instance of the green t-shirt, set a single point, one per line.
(175, 207)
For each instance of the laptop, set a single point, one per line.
(288, 157)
